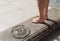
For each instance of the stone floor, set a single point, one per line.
(54, 36)
(13, 12)
(6, 34)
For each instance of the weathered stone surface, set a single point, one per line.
(53, 14)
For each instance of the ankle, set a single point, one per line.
(45, 18)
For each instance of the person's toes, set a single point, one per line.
(37, 20)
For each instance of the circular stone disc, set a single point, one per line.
(20, 31)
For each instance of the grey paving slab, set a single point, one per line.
(54, 36)
(12, 13)
(6, 35)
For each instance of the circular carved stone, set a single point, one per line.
(20, 32)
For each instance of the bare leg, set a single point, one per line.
(46, 9)
(41, 12)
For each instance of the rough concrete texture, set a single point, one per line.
(6, 35)
(13, 12)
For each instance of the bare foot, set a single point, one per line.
(37, 20)
(45, 18)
